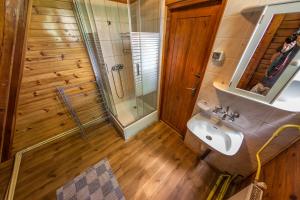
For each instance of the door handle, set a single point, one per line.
(197, 75)
(193, 90)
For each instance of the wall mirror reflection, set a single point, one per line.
(277, 49)
(271, 59)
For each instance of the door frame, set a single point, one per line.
(172, 5)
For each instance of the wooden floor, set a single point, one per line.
(282, 175)
(5, 172)
(154, 165)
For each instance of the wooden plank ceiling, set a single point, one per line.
(55, 56)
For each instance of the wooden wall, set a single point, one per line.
(12, 39)
(4, 73)
(55, 56)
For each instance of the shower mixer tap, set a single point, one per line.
(117, 67)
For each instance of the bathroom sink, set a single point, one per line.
(217, 136)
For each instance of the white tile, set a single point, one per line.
(119, 59)
(123, 12)
(147, 26)
(98, 7)
(103, 30)
(156, 11)
(156, 27)
(225, 71)
(252, 110)
(234, 7)
(126, 44)
(109, 61)
(281, 142)
(128, 61)
(235, 26)
(124, 27)
(279, 117)
(114, 30)
(247, 124)
(107, 50)
(112, 11)
(297, 117)
(226, 99)
(209, 94)
(117, 47)
(232, 47)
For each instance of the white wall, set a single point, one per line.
(112, 43)
(256, 121)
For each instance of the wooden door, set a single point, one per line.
(190, 35)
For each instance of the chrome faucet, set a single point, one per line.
(218, 109)
(233, 116)
(225, 113)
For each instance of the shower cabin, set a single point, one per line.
(123, 41)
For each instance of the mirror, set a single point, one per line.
(275, 52)
(272, 56)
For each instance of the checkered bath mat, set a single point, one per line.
(96, 183)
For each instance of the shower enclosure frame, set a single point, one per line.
(143, 121)
(95, 60)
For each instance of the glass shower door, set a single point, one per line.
(145, 42)
(84, 15)
(125, 43)
(113, 28)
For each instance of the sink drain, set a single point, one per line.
(208, 137)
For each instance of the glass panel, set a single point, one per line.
(274, 54)
(145, 36)
(112, 23)
(90, 36)
(129, 53)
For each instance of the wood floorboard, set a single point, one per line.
(282, 176)
(155, 164)
(5, 173)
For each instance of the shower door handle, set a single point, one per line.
(137, 69)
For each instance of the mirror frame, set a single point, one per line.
(258, 33)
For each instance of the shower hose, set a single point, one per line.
(120, 96)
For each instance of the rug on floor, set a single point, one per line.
(96, 183)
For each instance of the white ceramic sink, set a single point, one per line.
(219, 137)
